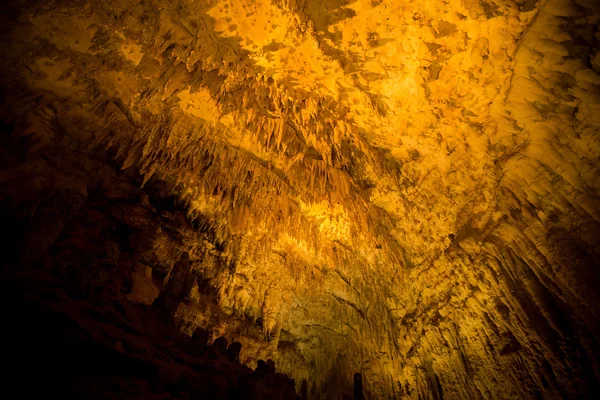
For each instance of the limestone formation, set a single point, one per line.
(407, 191)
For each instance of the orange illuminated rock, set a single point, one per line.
(404, 191)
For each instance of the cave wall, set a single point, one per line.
(404, 190)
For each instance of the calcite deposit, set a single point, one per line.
(408, 191)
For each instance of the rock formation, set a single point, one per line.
(404, 191)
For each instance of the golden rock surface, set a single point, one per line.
(409, 190)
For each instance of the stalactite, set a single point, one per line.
(434, 168)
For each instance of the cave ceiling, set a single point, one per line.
(405, 189)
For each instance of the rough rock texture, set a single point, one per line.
(404, 190)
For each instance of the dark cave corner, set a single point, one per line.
(80, 320)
